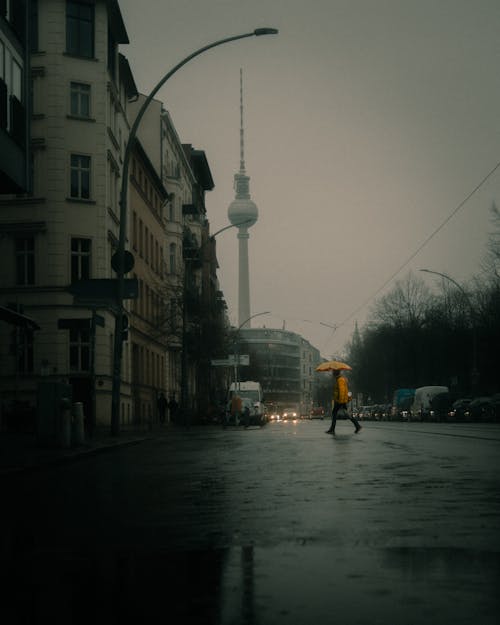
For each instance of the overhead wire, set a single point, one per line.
(421, 246)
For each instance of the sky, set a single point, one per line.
(368, 123)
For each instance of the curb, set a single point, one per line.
(68, 457)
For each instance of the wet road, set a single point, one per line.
(283, 524)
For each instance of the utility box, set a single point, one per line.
(53, 404)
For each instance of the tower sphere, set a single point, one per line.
(242, 211)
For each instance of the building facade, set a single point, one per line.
(148, 329)
(65, 230)
(284, 363)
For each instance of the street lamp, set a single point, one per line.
(236, 350)
(474, 372)
(120, 253)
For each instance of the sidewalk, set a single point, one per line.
(20, 452)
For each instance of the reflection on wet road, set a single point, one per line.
(263, 527)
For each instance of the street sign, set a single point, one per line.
(105, 289)
(73, 324)
(231, 361)
(128, 261)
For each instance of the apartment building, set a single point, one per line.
(66, 229)
(195, 304)
(150, 329)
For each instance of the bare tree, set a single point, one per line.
(405, 306)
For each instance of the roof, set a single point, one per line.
(116, 23)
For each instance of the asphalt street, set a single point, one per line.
(279, 525)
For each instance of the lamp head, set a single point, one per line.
(265, 31)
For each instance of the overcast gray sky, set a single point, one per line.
(367, 123)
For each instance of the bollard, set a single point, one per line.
(78, 434)
(65, 425)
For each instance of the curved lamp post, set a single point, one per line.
(472, 314)
(120, 253)
(236, 350)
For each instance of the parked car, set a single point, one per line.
(482, 409)
(459, 410)
(317, 412)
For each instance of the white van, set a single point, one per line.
(252, 397)
(422, 402)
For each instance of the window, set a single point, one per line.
(80, 29)
(80, 177)
(79, 349)
(25, 260)
(134, 230)
(80, 259)
(24, 351)
(112, 47)
(80, 99)
(17, 74)
(172, 253)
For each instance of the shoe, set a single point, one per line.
(358, 429)
(330, 432)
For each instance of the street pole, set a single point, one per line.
(120, 253)
(237, 351)
(472, 315)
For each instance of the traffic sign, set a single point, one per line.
(243, 360)
(105, 289)
(128, 261)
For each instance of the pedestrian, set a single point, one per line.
(340, 400)
(235, 409)
(173, 409)
(162, 407)
(246, 416)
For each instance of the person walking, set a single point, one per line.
(340, 399)
(173, 409)
(162, 407)
(236, 405)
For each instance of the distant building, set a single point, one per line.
(284, 363)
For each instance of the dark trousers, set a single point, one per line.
(335, 410)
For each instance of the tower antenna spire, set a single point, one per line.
(243, 213)
(242, 133)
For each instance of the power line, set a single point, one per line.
(422, 245)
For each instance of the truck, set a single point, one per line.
(402, 401)
(429, 402)
(252, 399)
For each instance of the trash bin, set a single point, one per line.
(78, 433)
(53, 404)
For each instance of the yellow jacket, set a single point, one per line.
(340, 391)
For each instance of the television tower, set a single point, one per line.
(242, 213)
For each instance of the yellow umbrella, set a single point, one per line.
(333, 365)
